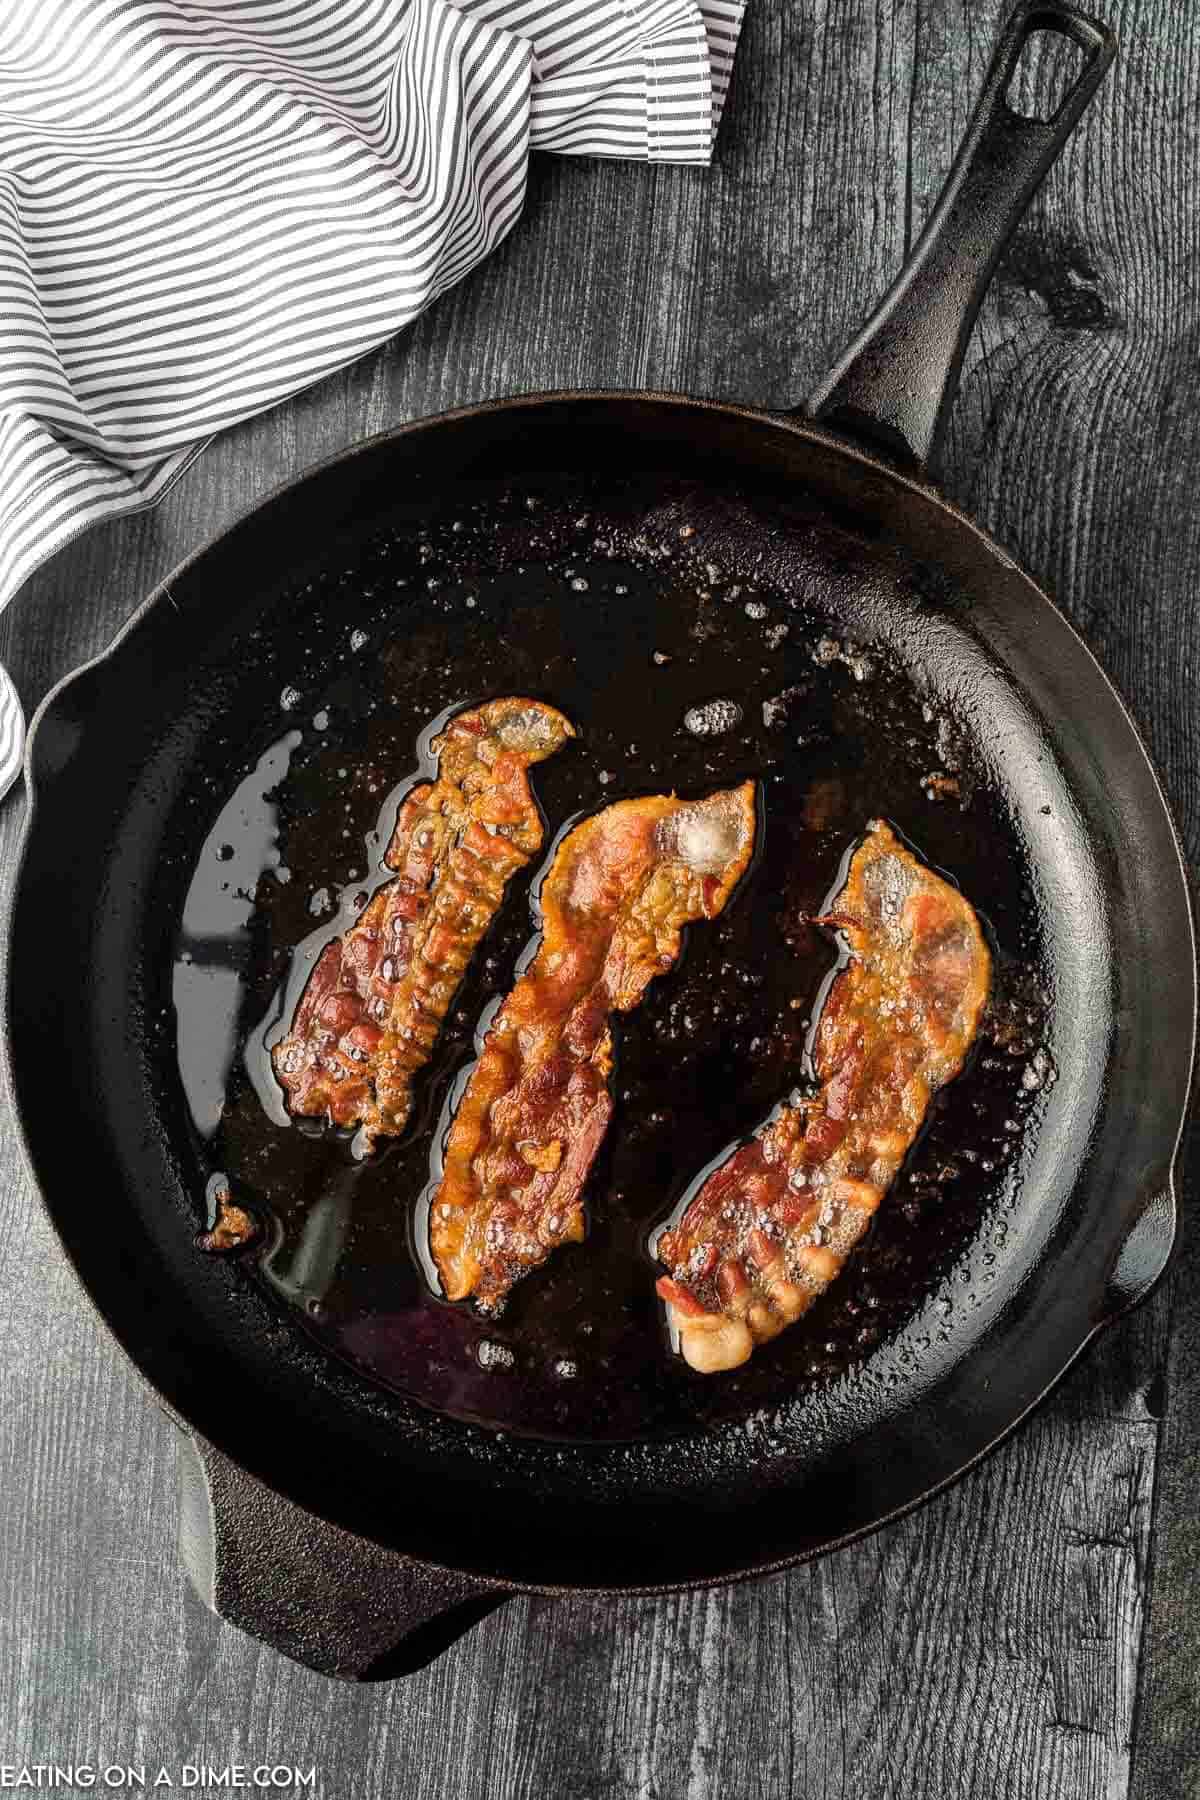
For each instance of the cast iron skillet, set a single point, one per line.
(313, 1490)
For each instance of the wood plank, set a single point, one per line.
(988, 1645)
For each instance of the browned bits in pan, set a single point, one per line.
(620, 890)
(375, 1001)
(772, 1226)
(233, 1227)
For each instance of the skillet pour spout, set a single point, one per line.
(340, 1521)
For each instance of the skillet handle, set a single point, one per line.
(896, 382)
(332, 1601)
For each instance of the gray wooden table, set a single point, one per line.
(1035, 1631)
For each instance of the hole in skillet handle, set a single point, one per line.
(895, 383)
(1048, 69)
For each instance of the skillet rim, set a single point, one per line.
(791, 423)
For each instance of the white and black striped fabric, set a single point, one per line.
(206, 205)
(12, 732)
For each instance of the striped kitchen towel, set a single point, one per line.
(205, 205)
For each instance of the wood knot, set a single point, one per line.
(1063, 278)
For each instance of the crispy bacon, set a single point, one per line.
(772, 1226)
(374, 1003)
(620, 890)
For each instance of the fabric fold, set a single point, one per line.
(207, 205)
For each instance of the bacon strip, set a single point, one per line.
(773, 1225)
(618, 893)
(374, 1003)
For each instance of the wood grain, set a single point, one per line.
(989, 1645)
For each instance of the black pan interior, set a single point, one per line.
(647, 612)
(219, 778)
